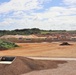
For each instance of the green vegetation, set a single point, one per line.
(20, 32)
(31, 31)
(45, 31)
(5, 45)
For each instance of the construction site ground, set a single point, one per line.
(53, 49)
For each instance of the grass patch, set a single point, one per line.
(5, 45)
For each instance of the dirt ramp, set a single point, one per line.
(23, 65)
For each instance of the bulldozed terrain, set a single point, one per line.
(23, 65)
(53, 49)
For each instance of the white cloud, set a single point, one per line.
(58, 18)
(70, 2)
(19, 5)
(52, 18)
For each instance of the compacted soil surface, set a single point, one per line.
(53, 49)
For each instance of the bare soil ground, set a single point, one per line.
(22, 65)
(42, 49)
(63, 69)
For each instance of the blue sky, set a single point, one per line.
(43, 14)
(2, 1)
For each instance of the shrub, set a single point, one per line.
(7, 45)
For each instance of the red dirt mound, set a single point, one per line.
(23, 65)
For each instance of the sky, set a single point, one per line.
(43, 14)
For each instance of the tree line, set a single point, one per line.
(30, 31)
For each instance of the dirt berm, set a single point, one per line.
(23, 65)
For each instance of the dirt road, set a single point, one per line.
(42, 49)
(48, 58)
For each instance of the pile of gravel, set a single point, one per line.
(23, 65)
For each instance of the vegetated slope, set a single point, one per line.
(23, 65)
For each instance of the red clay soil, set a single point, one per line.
(23, 65)
(42, 49)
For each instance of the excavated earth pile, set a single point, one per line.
(22, 65)
(65, 43)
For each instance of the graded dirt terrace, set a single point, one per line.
(42, 49)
